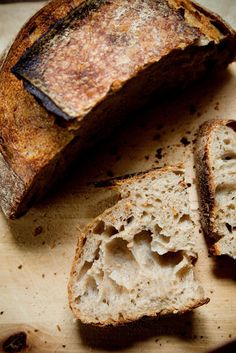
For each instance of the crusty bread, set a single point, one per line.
(216, 171)
(136, 259)
(125, 42)
(35, 150)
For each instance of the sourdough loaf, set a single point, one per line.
(35, 150)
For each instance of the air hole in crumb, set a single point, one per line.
(157, 229)
(182, 272)
(92, 285)
(171, 258)
(105, 301)
(99, 228)
(96, 255)
(145, 236)
(120, 258)
(110, 230)
(84, 269)
(130, 219)
(164, 239)
(229, 227)
(184, 218)
(77, 300)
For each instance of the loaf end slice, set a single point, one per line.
(216, 172)
(137, 259)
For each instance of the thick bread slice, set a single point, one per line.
(136, 259)
(35, 151)
(216, 171)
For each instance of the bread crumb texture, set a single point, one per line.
(223, 168)
(136, 259)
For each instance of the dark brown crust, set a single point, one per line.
(35, 149)
(178, 169)
(23, 121)
(205, 180)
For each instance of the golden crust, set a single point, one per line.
(29, 137)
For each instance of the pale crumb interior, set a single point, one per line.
(223, 155)
(137, 259)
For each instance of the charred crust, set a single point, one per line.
(43, 99)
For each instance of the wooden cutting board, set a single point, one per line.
(36, 251)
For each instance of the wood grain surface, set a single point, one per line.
(36, 251)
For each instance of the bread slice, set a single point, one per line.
(35, 150)
(137, 258)
(216, 172)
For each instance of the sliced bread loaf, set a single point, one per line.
(136, 259)
(216, 171)
(103, 60)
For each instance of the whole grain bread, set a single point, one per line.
(137, 258)
(35, 149)
(216, 172)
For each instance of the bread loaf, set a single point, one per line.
(120, 53)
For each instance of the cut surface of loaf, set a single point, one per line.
(136, 259)
(35, 150)
(216, 170)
